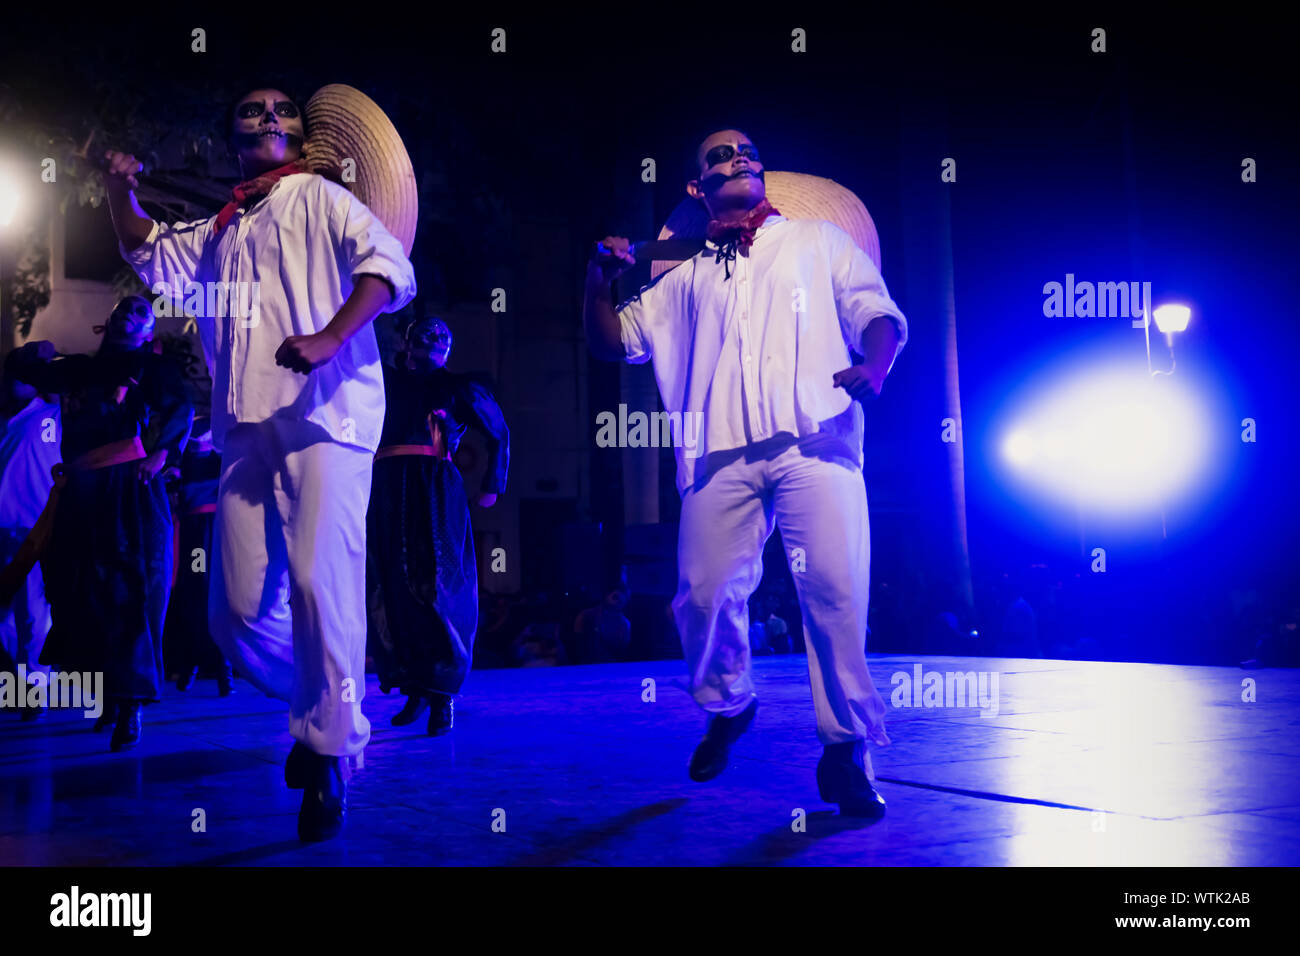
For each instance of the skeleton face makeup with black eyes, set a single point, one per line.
(731, 174)
(428, 343)
(267, 132)
(132, 322)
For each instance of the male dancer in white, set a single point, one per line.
(297, 407)
(755, 335)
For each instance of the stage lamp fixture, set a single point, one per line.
(1172, 318)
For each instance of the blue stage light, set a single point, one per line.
(1113, 440)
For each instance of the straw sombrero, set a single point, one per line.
(797, 196)
(343, 123)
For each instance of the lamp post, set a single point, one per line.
(1170, 318)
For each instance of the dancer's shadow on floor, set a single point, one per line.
(103, 774)
(595, 835)
(784, 843)
(252, 855)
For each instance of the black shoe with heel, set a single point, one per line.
(324, 797)
(106, 717)
(410, 711)
(842, 779)
(441, 714)
(126, 732)
(713, 753)
(225, 679)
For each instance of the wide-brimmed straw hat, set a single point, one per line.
(343, 123)
(797, 196)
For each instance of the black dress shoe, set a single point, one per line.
(126, 733)
(410, 711)
(842, 779)
(106, 716)
(297, 766)
(441, 715)
(225, 680)
(185, 680)
(28, 714)
(710, 757)
(324, 799)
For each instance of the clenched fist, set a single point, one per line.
(613, 256)
(861, 382)
(302, 353)
(120, 170)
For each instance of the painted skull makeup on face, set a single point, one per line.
(731, 172)
(132, 322)
(267, 131)
(428, 343)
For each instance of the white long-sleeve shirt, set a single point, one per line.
(755, 354)
(26, 458)
(294, 257)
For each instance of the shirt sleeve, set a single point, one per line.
(493, 422)
(170, 255)
(54, 377)
(649, 314)
(171, 415)
(860, 293)
(365, 247)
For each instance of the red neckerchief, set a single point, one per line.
(255, 189)
(737, 231)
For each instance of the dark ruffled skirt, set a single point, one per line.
(421, 578)
(107, 576)
(188, 642)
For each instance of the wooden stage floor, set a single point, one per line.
(1082, 764)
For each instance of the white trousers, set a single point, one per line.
(820, 505)
(25, 622)
(287, 602)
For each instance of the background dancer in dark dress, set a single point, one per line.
(422, 579)
(189, 642)
(109, 568)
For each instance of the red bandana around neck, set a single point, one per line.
(255, 189)
(740, 227)
(737, 230)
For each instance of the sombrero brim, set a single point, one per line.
(342, 123)
(797, 196)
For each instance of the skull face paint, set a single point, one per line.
(268, 131)
(131, 324)
(731, 174)
(428, 344)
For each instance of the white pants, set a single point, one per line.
(25, 622)
(820, 505)
(287, 601)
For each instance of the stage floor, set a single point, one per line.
(1083, 764)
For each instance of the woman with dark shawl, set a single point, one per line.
(422, 581)
(108, 568)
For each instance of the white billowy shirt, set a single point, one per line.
(292, 259)
(754, 355)
(29, 448)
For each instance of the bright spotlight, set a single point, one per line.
(1114, 441)
(1019, 448)
(10, 197)
(1172, 318)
